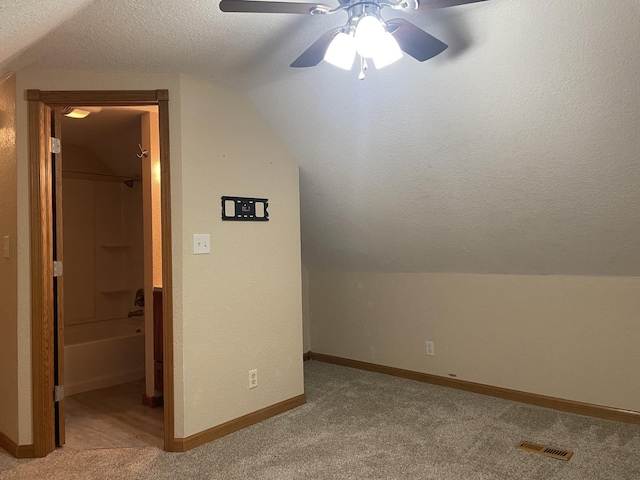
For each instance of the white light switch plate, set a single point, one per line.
(201, 243)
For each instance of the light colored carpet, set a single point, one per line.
(362, 425)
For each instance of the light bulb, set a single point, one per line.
(369, 33)
(388, 51)
(341, 51)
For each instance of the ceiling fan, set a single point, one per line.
(365, 33)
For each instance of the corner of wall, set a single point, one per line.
(306, 310)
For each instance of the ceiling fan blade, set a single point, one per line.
(424, 5)
(415, 41)
(315, 53)
(251, 6)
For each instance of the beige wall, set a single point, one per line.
(156, 212)
(8, 266)
(238, 308)
(242, 303)
(78, 158)
(152, 219)
(569, 337)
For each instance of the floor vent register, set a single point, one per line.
(552, 452)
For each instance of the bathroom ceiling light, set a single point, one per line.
(74, 112)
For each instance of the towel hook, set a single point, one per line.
(143, 152)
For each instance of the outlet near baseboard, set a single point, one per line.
(431, 348)
(253, 378)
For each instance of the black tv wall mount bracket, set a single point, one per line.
(245, 209)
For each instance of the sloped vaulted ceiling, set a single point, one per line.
(22, 23)
(515, 151)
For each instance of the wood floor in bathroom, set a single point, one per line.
(112, 417)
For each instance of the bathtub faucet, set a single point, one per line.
(136, 313)
(139, 300)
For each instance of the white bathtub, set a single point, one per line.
(103, 354)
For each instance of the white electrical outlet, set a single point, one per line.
(201, 243)
(253, 378)
(431, 348)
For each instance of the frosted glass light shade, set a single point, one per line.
(369, 33)
(78, 113)
(341, 51)
(75, 112)
(388, 51)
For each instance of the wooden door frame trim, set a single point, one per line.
(40, 103)
(41, 279)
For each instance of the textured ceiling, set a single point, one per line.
(515, 151)
(24, 22)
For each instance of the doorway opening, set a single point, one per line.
(118, 261)
(112, 268)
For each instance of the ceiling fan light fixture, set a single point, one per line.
(388, 51)
(364, 24)
(369, 34)
(342, 51)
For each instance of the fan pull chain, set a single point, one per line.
(363, 67)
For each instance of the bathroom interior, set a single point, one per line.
(112, 277)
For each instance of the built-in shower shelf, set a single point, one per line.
(115, 246)
(113, 291)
